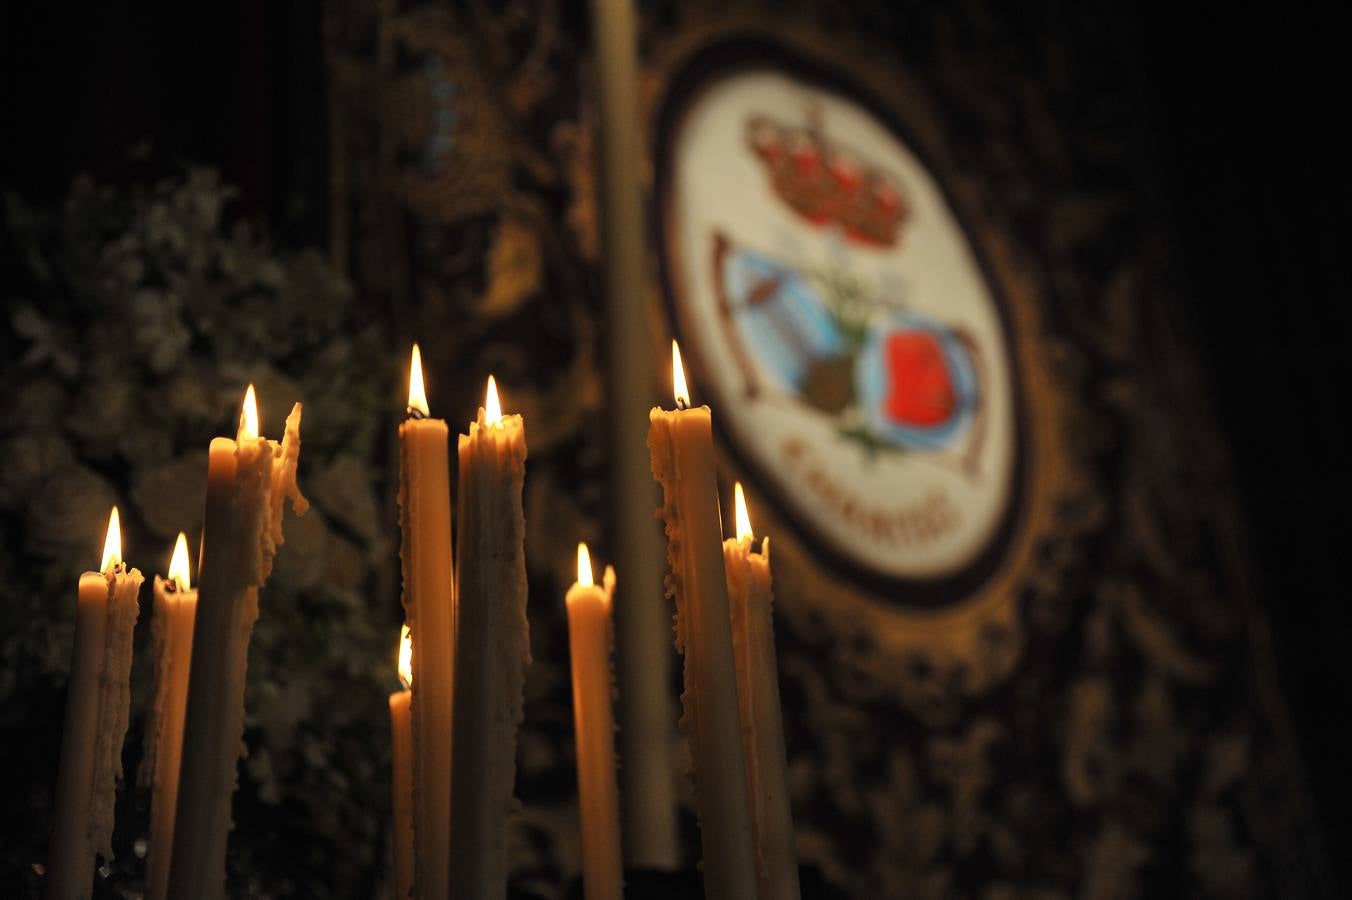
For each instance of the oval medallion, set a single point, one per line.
(841, 325)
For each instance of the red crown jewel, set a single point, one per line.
(828, 183)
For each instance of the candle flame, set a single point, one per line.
(178, 566)
(681, 389)
(405, 658)
(744, 532)
(584, 570)
(492, 406)
(417, 394)
(112, 544)
(248, 417)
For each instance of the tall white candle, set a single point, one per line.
(589, 644)
(171, 634)
(492, 647)
(248, 481)
(643, 652)
(753, 644)
(425, 552)
(681, 442)
(97, 704)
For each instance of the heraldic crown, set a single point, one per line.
(827, 183)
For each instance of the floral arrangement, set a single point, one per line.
(133, 318)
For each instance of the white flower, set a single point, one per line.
(29, 459)
(70, 510)
(169, 495)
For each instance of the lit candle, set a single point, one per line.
(248, 480)
(589, 643)
(681, 444)
(171, 634)
(492, 647)
(401, 760)
(753, 644)
(97, 704)
(425, 525)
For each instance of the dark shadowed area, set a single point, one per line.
(195, 197)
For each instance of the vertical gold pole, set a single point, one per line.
(643, 619)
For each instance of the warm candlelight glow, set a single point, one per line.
(417, 394)
(405, 658)
(678, 378)
(248, 419)
(584, 572)
(178, 566)
(112, 545)
(744, 532)
(492, 406)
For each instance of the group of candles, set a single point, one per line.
(462, 659)
(200, 645)
(201, 641)
(470, 646)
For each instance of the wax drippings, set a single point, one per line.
(266, 479)
(751, 608)
(739, 575)
(491, 600)
(284, 484)
(664, 470)
(124, 588)
(159, 650)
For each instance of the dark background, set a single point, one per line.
(1244, 108)
(1241, 103)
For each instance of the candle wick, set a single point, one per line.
(681, 404)
(415, 413)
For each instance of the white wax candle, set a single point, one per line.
(492, 648)
(97, 705)
(248, 481)
(171, 634)
(643, 648)
(681, 442)
(425, 552)
(753, 643)
(589, 645)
